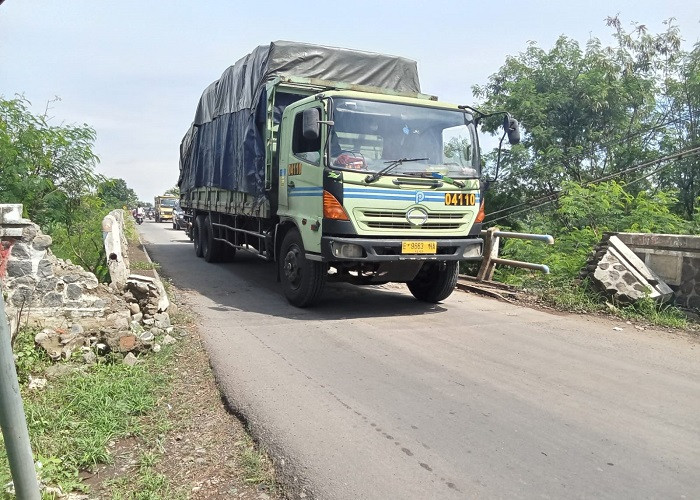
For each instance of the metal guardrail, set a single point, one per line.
(492, 238)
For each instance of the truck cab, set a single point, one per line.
(379, 188)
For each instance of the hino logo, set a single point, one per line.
(417, 216)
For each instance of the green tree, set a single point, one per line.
(43, 165)
(175, 191)
(116, 194)
(50, 170)
(586, 112)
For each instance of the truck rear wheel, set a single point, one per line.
(302, 279)
(212, 250)
(197, 235)
(435, 281)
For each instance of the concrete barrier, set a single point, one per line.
(673, 257)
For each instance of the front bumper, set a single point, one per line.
(387, 250)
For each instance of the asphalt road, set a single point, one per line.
(372, 394)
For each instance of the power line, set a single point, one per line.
(553, 196)
(546, 199)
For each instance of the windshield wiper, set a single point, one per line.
(391, 166)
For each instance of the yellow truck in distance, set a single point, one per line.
(163, 207)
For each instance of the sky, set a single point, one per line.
(134, 70)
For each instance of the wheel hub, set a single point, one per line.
(291, 266)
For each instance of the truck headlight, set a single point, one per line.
(346, 250)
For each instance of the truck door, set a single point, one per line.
(301, 176)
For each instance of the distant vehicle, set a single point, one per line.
(179, 217)
(303, 156)
(163, 207)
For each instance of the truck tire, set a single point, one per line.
(435, 281)
(302, 279)
(212, 250)
(197, 235)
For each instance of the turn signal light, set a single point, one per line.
(482, 213)
(332, 209)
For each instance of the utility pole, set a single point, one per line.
(12, 419)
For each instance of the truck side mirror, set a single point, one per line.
(310, 125)
(512, 128)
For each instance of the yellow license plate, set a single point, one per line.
(460, 199)
(418, 246)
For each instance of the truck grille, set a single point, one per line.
(396, 220)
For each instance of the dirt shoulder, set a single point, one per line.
(195, 448)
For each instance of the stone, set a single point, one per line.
(162, 320)
(36, 383)
(19, 268)
(70, 278)
(58, 370)
(52, 299)
(156, 347)
(168, 340)
(137, 317)
(30, 232)
(41, 242)
(77, 329)
(118, 320)
(74, 291)
(136, 327)
(67, 338)
(20, 251)
(30, 281)
(130, 359)
(47, 285)
(127, 343)
(45, 268)
(90, 281)
(157, 331)
(102, 349)
(89, 358)
(129, 297)
(22, 296)
(99, 304)
(134, 308)
(146, 337)
(149, 321)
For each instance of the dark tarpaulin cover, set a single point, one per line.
(224, 147)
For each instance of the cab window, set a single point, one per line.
(302, 148)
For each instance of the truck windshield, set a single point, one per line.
(167, 202)
(368, 135)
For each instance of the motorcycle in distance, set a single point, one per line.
(139, 219)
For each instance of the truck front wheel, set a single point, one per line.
(302, 279)
(435, 281)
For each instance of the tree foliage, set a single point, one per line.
(50, 169)
(595, 111)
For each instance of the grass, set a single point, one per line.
(256, 466)
(74, 418)
(580, 297)
(140, 266)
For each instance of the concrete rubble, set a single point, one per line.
(619, 273)
(80, 319)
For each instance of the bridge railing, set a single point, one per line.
(492, 238)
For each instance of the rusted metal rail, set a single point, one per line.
(492, 237)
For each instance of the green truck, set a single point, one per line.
(333, 164)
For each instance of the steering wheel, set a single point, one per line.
(351, 159)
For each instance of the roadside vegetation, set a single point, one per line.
(50, 169)
(156, 430)
(610, 143)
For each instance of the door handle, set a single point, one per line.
(291, 184)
